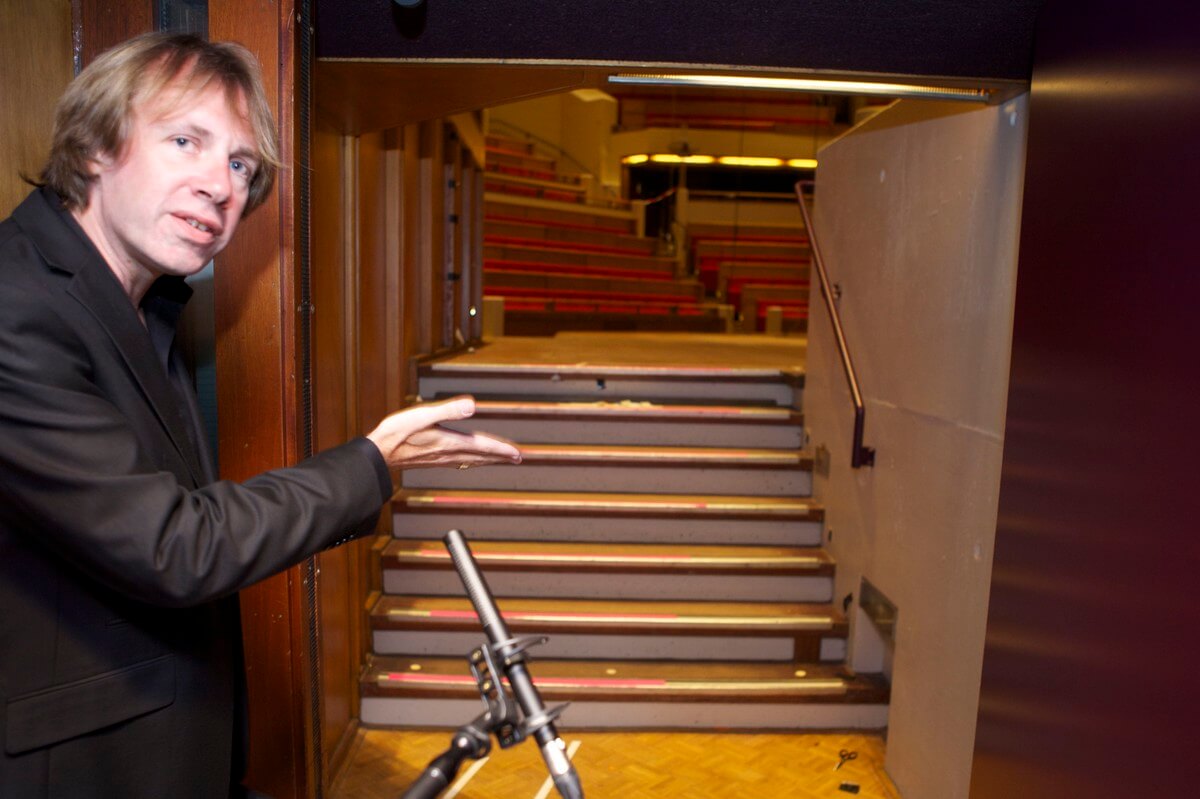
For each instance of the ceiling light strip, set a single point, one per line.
(753, 161)
(819, 86)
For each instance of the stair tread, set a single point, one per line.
(540, 370)
(574, 209)
(567, 245)
(627, 616)
(631, 680)
(595, 556)
(565, 249)
(563, 182)
(595, 454)
(548, 231)
(629, 410)
(584, 503)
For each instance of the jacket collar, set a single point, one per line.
(65, 247)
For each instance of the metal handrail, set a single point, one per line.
(860, 455)
(668, 193)
(544, 142)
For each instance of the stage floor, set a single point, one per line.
(633, 765)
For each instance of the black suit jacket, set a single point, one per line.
(119, 555)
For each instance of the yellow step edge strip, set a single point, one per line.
(664, 619)
(532, 452)
(442, 555)
(553, 368)
(457, 500)
(822, 687)
(631, 408)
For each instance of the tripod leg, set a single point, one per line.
(469, 741)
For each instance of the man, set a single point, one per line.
(120, 555)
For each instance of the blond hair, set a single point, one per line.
(94, 115)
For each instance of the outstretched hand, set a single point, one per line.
(413, 438)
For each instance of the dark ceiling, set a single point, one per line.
(971, 40)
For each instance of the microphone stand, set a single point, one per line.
(496, 666)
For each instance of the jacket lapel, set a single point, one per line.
(66, 247)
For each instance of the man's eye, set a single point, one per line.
(241, 168)
(181, 141)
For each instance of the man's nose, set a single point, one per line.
(213, 180)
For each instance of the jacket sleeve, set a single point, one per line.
(77, 480)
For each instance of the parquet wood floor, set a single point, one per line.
(634, 765)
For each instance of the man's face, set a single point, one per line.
(172, 200)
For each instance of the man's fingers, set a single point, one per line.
(415, 437)
(493, 446)
(419, 417)
(454, 444)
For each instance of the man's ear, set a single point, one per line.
(99, 162)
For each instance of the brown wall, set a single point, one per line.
(1089, 684)
(381, 242)
(255, 291)
(35, 66)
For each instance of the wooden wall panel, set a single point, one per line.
(381, 251)
(100, 24)
(374, 303)
(357, 294)
(455, 256)
(472, 231)
(35, 67)
(432, 195)
(330, 243)
(255, 299)
(334, 384)
(415, 328)
(395, 378)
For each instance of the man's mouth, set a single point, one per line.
(198, 225)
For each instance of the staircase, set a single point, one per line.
(660, 532)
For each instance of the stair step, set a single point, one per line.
(580, 259)
(586, 570)
(547, 212)
(502, 226)
(635, 518)
(719, 385)
(567, 270)
(498, 181)
(508, 143)
(501, 154)
(529, 280)
(615, 468)
(546, 318)
(624, 629)
(441, 692)
(637, 248)
(748, 231)
(646, 423)
(639, 681)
